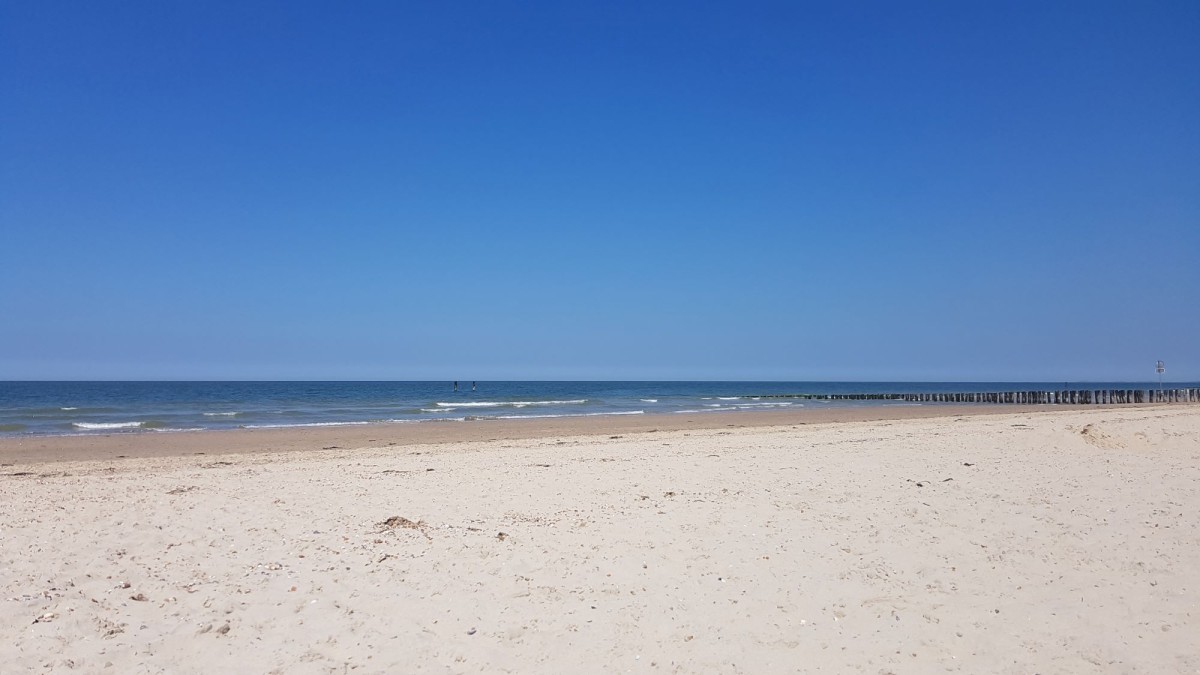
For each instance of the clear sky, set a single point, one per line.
(607, 190)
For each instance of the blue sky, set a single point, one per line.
(522, 190)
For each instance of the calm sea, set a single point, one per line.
(141, 407)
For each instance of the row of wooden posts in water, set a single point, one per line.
(1063, 397)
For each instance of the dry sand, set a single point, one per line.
(1049, 542)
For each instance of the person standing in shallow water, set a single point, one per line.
(472, 386)
(456, 385)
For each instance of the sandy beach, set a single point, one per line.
(1018, 541)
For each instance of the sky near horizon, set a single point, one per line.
(600, 190)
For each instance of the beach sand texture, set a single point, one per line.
(1049, 542)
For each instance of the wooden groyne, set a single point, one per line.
(1060, 397)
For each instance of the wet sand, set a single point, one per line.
(18, 450)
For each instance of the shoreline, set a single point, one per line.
(149, 444)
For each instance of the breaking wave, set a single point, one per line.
(504, 404)
(106, 425)
(595, 414)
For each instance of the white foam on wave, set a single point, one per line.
(752, 406)
(303, 424)
(716, 407)
(648, 400)
(106, 425)
(728, 398)
(502, 404)
(595, 414)
(69, 408)
(221, 414)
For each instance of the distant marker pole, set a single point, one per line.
(1160, 368)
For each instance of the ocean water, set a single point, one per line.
(40, 408)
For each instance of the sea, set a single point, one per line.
(87, 408)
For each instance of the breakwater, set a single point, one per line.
(1044, 397)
